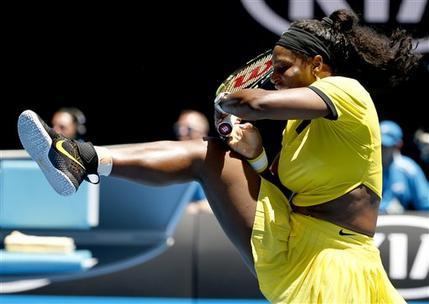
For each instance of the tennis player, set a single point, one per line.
(305, 224)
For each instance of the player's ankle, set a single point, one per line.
(105, 161)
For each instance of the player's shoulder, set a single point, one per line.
(339, 81)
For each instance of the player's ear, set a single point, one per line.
(316, 65)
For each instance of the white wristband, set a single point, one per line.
(260, 163)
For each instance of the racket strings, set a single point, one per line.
(250, 74)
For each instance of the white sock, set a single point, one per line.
(105, 161)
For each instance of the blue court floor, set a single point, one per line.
(29, 299)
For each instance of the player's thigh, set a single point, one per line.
(232, 188)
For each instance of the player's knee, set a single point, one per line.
(206, 154)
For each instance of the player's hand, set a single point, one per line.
(224, 122)
(246, 140)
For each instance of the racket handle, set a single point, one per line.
(217, 101)
(224, 128)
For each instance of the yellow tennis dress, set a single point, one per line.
(301, 259)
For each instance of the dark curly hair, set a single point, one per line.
(360, 52)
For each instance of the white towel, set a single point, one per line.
(19, 242)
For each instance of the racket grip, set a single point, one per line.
(224, 127)
(217, 101)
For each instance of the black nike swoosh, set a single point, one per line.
(345, 233)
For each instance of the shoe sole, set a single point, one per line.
(38, 143)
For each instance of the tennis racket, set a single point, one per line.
(253, 74)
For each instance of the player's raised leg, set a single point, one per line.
(230, 184)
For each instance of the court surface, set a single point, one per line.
(15, 299)
(18, 299)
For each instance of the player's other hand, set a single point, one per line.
(246, 140)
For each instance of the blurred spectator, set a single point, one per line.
(190, 125)
(69, 122)
(421, 138)
(405, 186)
